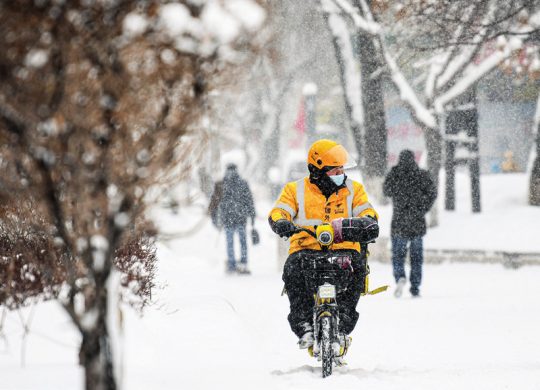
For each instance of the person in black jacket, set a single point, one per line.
(230, 207)
(413, 193)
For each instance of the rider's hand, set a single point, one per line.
(284, 228)
(369, 228)
(358, 229)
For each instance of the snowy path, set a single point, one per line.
(475, 327)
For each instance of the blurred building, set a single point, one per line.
(506, 108)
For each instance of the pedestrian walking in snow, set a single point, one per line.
(413, 193)
(230, 207)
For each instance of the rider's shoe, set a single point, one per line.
(341, 348)
(399, 288)
(307, 340)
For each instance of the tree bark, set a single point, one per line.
(534, 188)
(534, 196)
(375, 141)
(434, 144)
(96, 353)
(355, 123)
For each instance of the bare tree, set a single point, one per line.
(373, 101)
(439, 50)
(258, 112)
(362, 93)
(534, 186)
(100, 104)
(349, 76)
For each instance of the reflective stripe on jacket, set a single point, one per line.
(304, 204)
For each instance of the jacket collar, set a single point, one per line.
(316, 190)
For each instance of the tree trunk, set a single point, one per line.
(434, 144)
(534, 188)
(534, 195)
(350, 85)
(96, 354)
(375, 136)
(97, 360)
(375, 141)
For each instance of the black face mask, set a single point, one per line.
(322, 180)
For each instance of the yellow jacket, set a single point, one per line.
(314, 210)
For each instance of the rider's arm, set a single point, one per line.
(361, 206)
(286, 206)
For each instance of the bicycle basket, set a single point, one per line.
(325, 269)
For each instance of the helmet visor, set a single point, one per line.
(336, 157)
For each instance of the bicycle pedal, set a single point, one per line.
(340, 362)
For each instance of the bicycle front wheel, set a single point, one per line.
(327, 352)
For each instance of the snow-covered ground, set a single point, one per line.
(475, 327)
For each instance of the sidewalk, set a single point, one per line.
(381, 251)
(506, 231)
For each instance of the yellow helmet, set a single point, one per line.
(327, 153)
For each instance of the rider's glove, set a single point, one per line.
(363, 229)
(284, 228)
(369, 228)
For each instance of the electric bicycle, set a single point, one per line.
(326, 275)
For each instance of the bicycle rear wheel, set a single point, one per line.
(327, 352)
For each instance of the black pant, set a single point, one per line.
(301, 300)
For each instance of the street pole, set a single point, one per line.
(310, 100)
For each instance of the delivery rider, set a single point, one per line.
(327, 194)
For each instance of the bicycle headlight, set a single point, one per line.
(327, 291)
(325, 238)
(325, 235)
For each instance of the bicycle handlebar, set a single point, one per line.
(302, 229)
(313, 234)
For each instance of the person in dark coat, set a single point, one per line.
(413, 193)
(230, 207)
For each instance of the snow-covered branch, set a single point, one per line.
(350, 73)
(407, 94)
(474, 73)
(364, 24)
(435, 69)
(462, 56)
(456, 66)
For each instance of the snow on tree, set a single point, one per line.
(349, 75)
(100, 104)
(434, 52)
(257, 114)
